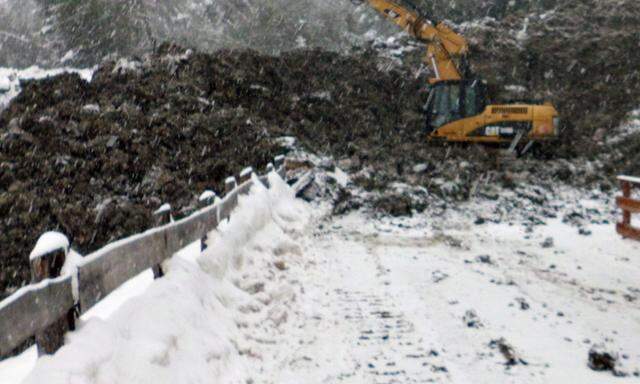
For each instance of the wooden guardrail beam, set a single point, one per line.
(101, 272)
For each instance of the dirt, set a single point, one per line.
(601, 361)
(507, 351)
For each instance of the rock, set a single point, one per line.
(420, 168)
(523, 303)
(600, 360)
(599, 135)
(507, 351)
(327, 164)
(347, 164)
(479, 221)
(255, 288)
(91, 109)
(345, 202)
(584, 232)
(394, 205)
(471, 319)
(485, 259)
(438, 276)
(281, 265)
(547, 243)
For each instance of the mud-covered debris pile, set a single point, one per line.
(93, 160)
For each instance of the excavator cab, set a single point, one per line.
(461, 110)
(454, 100)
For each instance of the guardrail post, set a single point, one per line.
(626, 192)
(229, 184)
(162, 217)
(207, 198)
(245, 175)
(47, 260)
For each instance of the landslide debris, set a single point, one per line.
(93, 160)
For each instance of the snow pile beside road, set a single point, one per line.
(190, 325)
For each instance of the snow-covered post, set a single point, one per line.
(270, 168)
(47, 260)
(229, 184)
(207, 198)
(162, 217)
(245, 175)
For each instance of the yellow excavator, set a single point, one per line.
(458, 107)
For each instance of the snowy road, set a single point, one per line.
(402, 303)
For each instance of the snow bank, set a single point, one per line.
(190, 325)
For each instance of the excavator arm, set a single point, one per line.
(458, 108)
(446, 50)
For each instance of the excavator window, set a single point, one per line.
(443, 105)
(471, 101)
(454, 100)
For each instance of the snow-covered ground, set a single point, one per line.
(396, 301)
(287, 294)
(10, 79)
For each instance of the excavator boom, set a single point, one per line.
(446, 50)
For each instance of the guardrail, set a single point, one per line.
(629, 206)
(48, 307)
